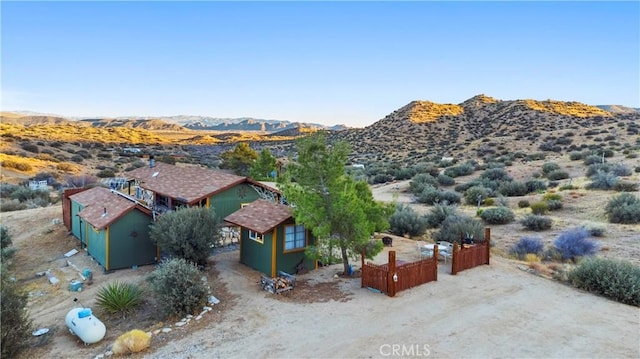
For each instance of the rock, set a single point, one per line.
(99, 356)
(213, 300)
(108, 353)
(180, 324)
(199, 317)
(166, 330)
(189, 316)
(150, 334)
(206, 309)
(156, 332)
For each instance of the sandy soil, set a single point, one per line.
(490, 311)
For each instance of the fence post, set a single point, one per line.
(391, 285)
(454, 257)
(487, 242)
(435, 260)
(361, 269)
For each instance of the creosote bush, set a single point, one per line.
(178, 287)
(453, 226)
(497, 215)
(575, 243)
(623, 208)
(536, 222)
(539, 208)
(406, 221)
(612, 278)
(527, 245)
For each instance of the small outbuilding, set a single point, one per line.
(270, 240)
(114, 230)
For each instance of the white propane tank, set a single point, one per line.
(82, 323)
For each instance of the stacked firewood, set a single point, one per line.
(282, 283)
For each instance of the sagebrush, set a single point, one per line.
(178, 287)
(612, 278)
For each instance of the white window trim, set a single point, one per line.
(256, 236)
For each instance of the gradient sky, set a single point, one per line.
(325, 62)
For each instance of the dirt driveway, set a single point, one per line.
(491, 311)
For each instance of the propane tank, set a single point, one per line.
(83, 324)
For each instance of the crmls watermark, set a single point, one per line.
(405, 350)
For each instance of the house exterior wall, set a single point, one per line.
(256, 255)
(130, 243)
(77, 224)
(287, 261)
(229, 201)
(259, 255)
(96, 241)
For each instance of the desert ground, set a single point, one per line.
(500, 310)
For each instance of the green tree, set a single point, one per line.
(6, 241)
(338, 209)
(188, 233)
(240, 159)
(262, 167)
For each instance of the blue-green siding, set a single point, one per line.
(229, 201)
(97, 244)
(77, 224)
(256, 255)
(129, 241)
(259, 256)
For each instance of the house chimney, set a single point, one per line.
(104, 211)
(152, 161)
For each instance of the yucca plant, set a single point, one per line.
(119, 297)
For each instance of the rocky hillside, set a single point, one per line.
(484, 126)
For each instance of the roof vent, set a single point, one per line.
(104, 212)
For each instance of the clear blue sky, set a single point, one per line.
(325, 62)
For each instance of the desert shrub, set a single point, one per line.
(575, 243)
(625, 186)
(497, 215)
(439, 213)
(420, 181)
(603, 180)
(550, 167)
(567, 187)
(598, 167)
(536, 222)
(463, 187)
(550, 196)
(513, 189)
(77, 158)
(460, 170)
(496, 174)
(527, 245)
(15, 326)
(454, 226)
(381, 178)
(406, 221)
(537, 156)
(30, 147)
(106, 173)
(621, 170)
(474, 193)
(523, 203)
(12, 205)
(445, 180)
(623, 208)
(502, 201)
(6, 241)
(18, 165)
(616, 279)
(540, 207)
(177, 286)
(24, 194)
(575, 156)
(432, 195)
(119, 297)
(558, 175)
(85, 154)
(400, 175)
(637, 169)
(594, 229)
(188, 233)
(554, 205)
(535, 186)
(428, 168)
(591, 159)
(6, 189)
(105, 155)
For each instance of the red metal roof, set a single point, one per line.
(184, 183)
(101, 206)
(260, 216)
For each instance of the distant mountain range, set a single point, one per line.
(172, 123)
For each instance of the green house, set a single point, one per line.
(114, 230)
(270, 240)
(164, 187)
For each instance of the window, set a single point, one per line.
(294, 238)
(256, 236)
